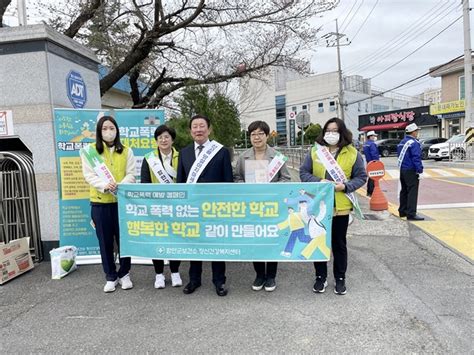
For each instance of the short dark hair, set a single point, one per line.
(195, 117)
(99, 144)
(345, 135)
(259, 125)
(164, 128)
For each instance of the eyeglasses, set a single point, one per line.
(163, 138)
(258, 134)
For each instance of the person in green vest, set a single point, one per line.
(337, 158)
(160, 167)
(120, 162)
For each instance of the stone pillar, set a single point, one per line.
(37, 67)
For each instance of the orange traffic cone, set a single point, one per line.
(378, 201)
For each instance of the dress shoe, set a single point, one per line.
(191, 287)
(402, 215)
(221, 290)
(415, 218)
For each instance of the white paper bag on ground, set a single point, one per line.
(63, 261)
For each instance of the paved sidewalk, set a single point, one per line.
(406, 294)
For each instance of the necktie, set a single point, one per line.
(200, 148)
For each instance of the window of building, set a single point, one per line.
(320, 107)
(366, 107)
(294, 109)
(332, 105)
(462, 91)
(280, 107)
(304, 107)
(358, 106)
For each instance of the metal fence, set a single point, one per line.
(18, 201)
(461, 152)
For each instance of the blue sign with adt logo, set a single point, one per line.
(76, 89)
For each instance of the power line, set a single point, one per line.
(407, 82)
(398, 41)
(418, 48)
(352, 18)
(365, 20)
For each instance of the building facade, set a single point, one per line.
(451, 108)
(391, 124)
(280, 98)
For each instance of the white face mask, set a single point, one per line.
(109, 136)
(331, 138)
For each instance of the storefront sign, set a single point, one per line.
(447, 107)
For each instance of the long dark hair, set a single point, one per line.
(99, 144)
(345, 136)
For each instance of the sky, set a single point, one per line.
(392, 30)
(383, 32)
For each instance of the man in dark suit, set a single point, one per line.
(218, 169)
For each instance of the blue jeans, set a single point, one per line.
(298, 233)
(105, 218)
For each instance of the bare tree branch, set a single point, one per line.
(83, 17)
(3, 7)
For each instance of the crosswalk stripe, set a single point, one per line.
(442, 172)
(393, 173)
(464, 172)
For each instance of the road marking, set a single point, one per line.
(446, 205)
(393, 173)
(455, 182)
(442, 172)
(464, 172)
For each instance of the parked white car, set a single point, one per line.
(453, 148)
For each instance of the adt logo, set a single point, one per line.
(76, 89)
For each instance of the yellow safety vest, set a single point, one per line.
(174, 164)
(117, 164)
(346, 160)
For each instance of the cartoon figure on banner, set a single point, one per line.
(86, 133)
(305, 226)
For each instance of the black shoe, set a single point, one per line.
(402, 215)
(270, 285)
(221, 290)
(340, 288)
(320, 285)
(191, 287)
(415, 218)
(258, 283)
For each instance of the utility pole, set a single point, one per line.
(339, 70)
(468, 116)
(21, 12)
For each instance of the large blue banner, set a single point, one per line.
(231, 222)
(75, 129)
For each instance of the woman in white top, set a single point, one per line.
(120, 162)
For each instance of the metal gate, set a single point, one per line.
(18, 201)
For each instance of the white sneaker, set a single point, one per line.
(159, 281)
(110, 286)
(176, 279)
(126, 282)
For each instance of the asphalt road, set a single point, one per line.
(406, 294)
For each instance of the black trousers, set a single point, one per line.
(218, 272)
(410, 182)
(370, 186)
(269, 273)
(105, 218)
(339, 249)
(160, 265)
